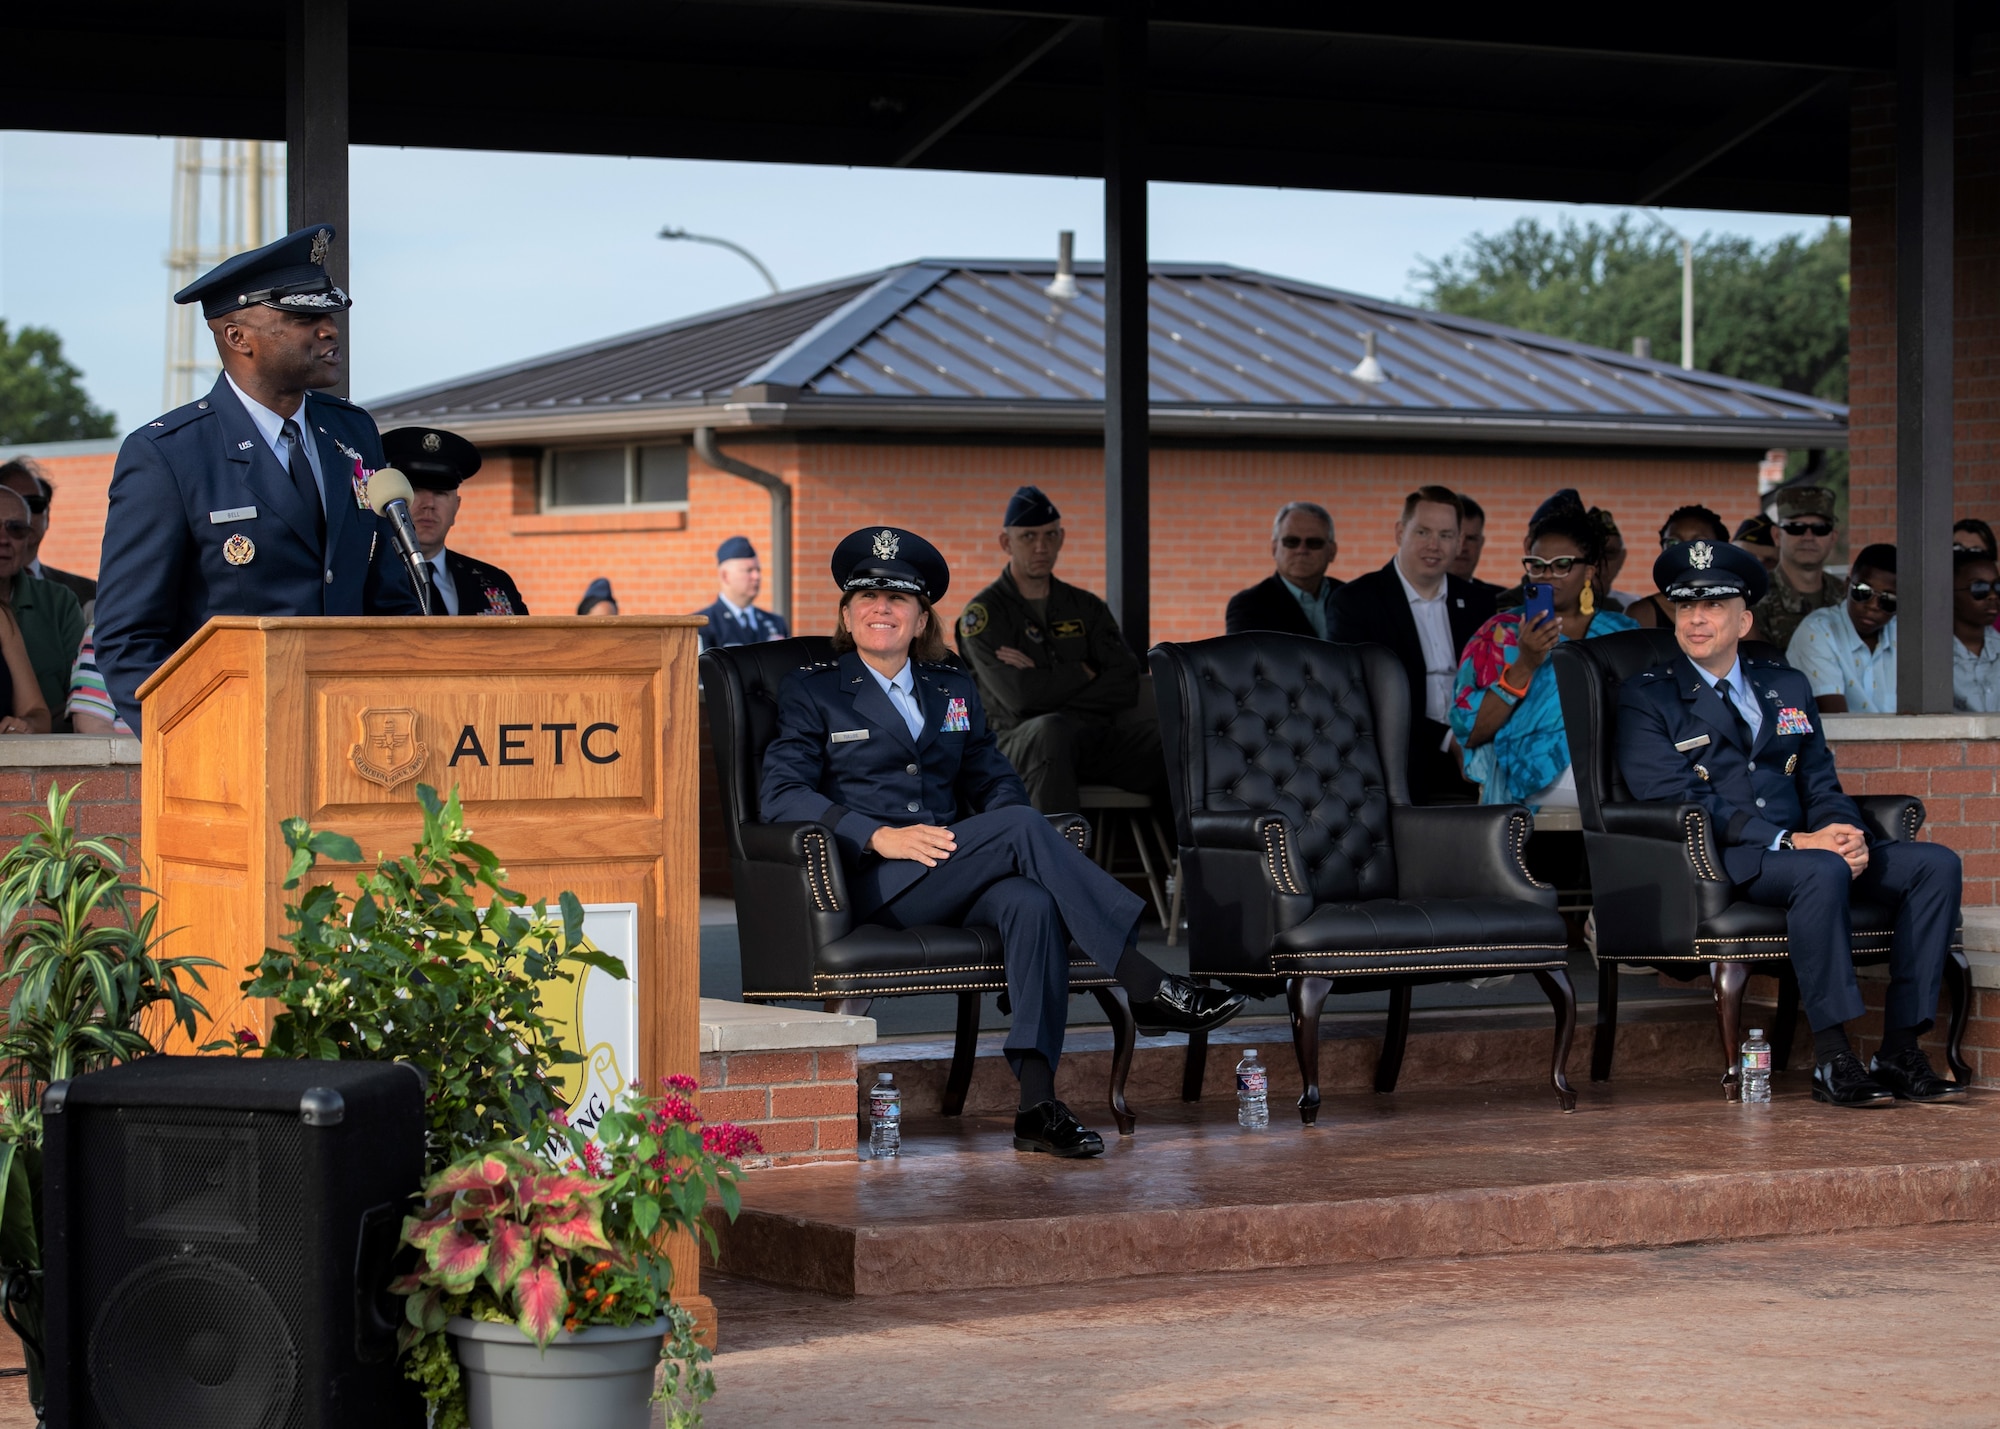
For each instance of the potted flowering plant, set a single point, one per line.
(543, 1295)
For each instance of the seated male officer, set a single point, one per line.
(1742, 739)
(1057, 676)
(734, 618)
(436, 462)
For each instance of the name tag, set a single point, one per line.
(234, 513)
(846, 736)
(1697, 742)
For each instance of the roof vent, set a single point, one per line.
(1369, 369)
(1063, 289)
(1642, 347)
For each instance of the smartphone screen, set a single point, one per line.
(1541, 600)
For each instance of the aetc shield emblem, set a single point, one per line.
(389, 751)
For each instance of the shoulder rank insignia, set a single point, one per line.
(1791, 764)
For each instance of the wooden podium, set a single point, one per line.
(573, 743)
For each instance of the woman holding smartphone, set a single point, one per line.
(1505, 712)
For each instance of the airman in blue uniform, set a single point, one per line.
(734, 619)
(252, 500)
(1742, 738)
(889, 746)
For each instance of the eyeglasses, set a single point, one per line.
(1982, 590)
(1958, 550)
(19, 530)
(1863, 593)
(1311, 543)
(1560, 565)
(1806, 528)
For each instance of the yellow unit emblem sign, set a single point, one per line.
(597, 1017)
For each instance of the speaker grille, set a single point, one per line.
(191, 1342)
(191, 1183)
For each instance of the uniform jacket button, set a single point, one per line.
(912, 806)
(909, 768)
(1753, 766)
(1760, 803)
(329, 577)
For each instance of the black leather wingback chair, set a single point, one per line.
(1306, 866)
(1659, 893)
(793, 916)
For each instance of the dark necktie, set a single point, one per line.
(1736, 713)
(437, 596)
(302, 478)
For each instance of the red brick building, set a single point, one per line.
(923, 395)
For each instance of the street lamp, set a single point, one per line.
(1687, 294)
(738, 249)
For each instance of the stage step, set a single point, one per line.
(1430, 1173)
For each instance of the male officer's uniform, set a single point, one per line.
(1058, 726)
(205, 517)
(1749, 749)
(441, 461)
(729, 626)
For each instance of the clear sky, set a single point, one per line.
(465, 260)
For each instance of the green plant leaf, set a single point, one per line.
(572, 920)
(337, 847)
(541, 1299)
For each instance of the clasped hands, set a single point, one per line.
(1022, 660)
(924, 843)
(1844, 839)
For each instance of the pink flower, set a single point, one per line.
(593, 1159)
(687, 1086)
(677, 1108)
(729, 1140)
(246, 1038)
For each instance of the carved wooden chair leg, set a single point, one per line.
(1604, 1041)
(1117, 1005)
(964, 1052)
(1562, 997)
(1730, 980)
(1787, 1018)
(1395, 1037)
(1958, 981)
(1305, 996)
(1195, 1068)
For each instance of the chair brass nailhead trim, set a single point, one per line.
(1695, 828)
(818, 876)
(1871, 936)
(1519, 826)
(1422, 952)
(1380, 972)
(1277, 857)
(1913, 822)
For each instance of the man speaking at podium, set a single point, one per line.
(254, 499)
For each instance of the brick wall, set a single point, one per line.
(107, 803)
(1976, 299)
(1959, 782)
(800, 1102)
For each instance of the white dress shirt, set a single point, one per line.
(902, 693)
(447, 588)
(271, 427)
(1975, 679)
(1833, 657)
(1434, 634)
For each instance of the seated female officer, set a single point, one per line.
(886, 745)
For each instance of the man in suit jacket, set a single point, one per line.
(437, 463)
(254, 499)
(1298, 596)
(734, 618)
(1741, 738)
(1416, 608)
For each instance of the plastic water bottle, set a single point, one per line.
(885, 1118)
(1253, 1106)
(1756, 1084)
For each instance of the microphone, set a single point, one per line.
(389, 494)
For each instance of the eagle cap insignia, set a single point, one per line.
(1701, 555)
(887, 543)
(320, 241)
(432, 441)
(389, 752)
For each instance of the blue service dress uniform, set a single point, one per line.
(844, 756)
(205, 521)
(482, 588)
(1679, 740)
(756, 626)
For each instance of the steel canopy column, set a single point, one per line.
(1923, 356)
(316, 134)
(1127, 479)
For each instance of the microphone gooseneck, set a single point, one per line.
(389, 495)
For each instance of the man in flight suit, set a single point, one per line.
(1742, 738)
(254, 499)
(1060, 683)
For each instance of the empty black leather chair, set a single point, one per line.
(793, 917)
(1306, 866)
(1660, 895)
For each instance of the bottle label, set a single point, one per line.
(1250, 1084)
(885, 1108)
(1756, 1059)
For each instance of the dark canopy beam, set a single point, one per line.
(1127, 476)
(316, 133)
(1673, 169)
(1029, 43)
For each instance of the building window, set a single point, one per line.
(585, 477)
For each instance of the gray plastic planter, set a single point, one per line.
(602, 1376)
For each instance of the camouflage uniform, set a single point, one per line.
(1783, 607)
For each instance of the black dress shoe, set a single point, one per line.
(1181, 1006)
(1843, 1081)
(1052, 1127)
(1909, 1075)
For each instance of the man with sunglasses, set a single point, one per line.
(1975, 647)
(24, 479)
(1804, 531)
(1848, 652)
(1296, 598)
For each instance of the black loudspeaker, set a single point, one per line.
(218, 1236)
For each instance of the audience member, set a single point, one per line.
(1973, 534)
(25, 479)
(50, 619)
(1753, 536)
(733, 618)
(1060, 684)
(1975, 647)
(437, 463)
(1472, 545)
(1295, 598)
(1688, 523)
(597, 599)
(1424, 614)
(20, 693)
(1804, 532)
(89, 706)
(1506, 714)
(1848, 651)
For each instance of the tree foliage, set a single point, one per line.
(1775, 314)
(41, 392)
